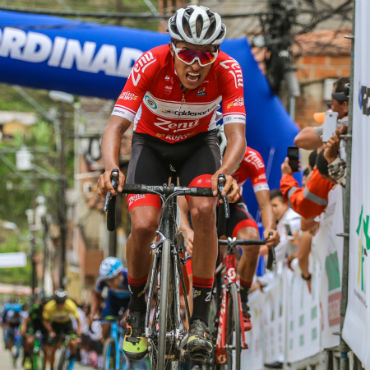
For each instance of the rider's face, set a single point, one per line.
(115, 282)
(191, 76)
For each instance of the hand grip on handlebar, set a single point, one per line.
(221, 181)
(114, 182)
(110, 202)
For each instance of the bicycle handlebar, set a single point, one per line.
(166, 190)
(161, 190)
(234, 242)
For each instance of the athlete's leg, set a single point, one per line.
(246, 269)
(248, 261)
(144, 223)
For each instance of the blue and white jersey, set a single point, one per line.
(121, 292)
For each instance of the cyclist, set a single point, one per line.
(172, 95)
(57, 319)
(242, 225)
(32, 324)
(11, 321)
(112, 275)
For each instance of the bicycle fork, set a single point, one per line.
(221, 342)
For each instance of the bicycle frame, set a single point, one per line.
(230, 277)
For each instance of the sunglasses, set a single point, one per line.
(189, 56)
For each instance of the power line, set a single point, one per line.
(66, 13)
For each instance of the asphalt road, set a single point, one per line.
(6, 362)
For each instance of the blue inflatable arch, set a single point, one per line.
(93, 60)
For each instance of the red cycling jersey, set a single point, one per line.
(252, 167)
(154, 99)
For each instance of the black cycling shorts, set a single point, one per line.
(151, 159)
(239, 218)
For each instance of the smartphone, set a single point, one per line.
(293, 155)
(329, 126)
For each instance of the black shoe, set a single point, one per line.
(246, 317)
(135, 344)
(199, 344)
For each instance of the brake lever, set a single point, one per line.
(221, 181)
(114, 181)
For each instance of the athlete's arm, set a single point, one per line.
(96, 298)
(110, 148)
(236, 144)
(263, 200)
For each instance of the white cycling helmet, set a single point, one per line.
(110, 268)
(197, 25)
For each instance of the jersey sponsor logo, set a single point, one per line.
(134, 198)
(150, 102)
(238, 102)
(234, 118)
(253, 159)
(140, 66)
(201, 92)
(175, 126)
(234, 69)
(67, 53)
(176, 110)
(127, 95)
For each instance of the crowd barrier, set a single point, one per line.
(290, 325)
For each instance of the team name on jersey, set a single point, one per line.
(175, 110)
(252, 158)
(234, 69)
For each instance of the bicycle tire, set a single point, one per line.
(109, 358)
(233, 327)
(163, 303)
(37, 362)
(62, 362)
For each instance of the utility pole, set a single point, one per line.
(62, 214)
(63, 99)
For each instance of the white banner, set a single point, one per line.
(356, 331)
(327, 248)
(17, 259)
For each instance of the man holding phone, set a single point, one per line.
(311, 138)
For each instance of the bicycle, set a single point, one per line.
(113, 355)
(34, 360)
(66, 361)
(15, 350)
(228, 327)
(165, 332)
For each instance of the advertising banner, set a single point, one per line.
(356, 331)
(327, 248)
(303, 316)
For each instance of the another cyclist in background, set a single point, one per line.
(172, 95)
(30, 326)
(11, 321)
(57, 319)
(113, 276)
(242, 225)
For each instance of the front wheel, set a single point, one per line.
(63, 359)
(233, 338)
(109, 355)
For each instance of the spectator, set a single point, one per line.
(309, 201)
(288, 224)
(310, 137)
